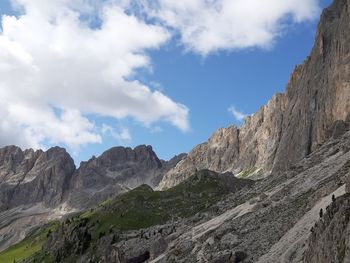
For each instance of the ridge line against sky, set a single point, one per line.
(87, 74)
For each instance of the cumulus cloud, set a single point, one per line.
(63, 61)
(207, 26)
(238, 115)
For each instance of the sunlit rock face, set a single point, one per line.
(29, 177)
(293, 124)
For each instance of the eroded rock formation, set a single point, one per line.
(293, 124)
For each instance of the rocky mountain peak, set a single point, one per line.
(29, 177)
(116, 171)
(11, 155)
(291, 125)
(50, 177)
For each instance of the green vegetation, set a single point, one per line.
(29, 246)
(137, 209)
(143, 207)
(247, 172)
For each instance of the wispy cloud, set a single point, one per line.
(239, 116)
(122, 135)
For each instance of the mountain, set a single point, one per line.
(117, 170)
(29, 177)
(213, 217)
(329, 240)
(91, 235)
(292, 125)
(38, 186)
(296, 210)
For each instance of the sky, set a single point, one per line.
(88, 75)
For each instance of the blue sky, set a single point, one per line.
(206, 82)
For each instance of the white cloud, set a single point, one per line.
(65, 62)
(57, 72)
(122, 135)
(208, 26)
(239, 116)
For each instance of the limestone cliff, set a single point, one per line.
(116, 171)
(293, 124)
(29, 177)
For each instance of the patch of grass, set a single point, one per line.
(29, 246)
(248, 172)
(143, 207)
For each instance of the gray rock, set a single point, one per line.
(293, 124)
(210, 241)
(329, 240)
(36, 178)
(116, 171)
(339, 129)
(31, 177)
(158, 247)
(347, 181)
(229, 241)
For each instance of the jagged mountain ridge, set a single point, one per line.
(117, 170)
(291, 125)
(29, 177)
(38, 186)
(271, 220)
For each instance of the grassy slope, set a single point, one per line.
(137, 209)
(142, 207)
(27, 247)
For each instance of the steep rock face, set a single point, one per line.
(291, 125)
(330, 237)
(29, 177)
(318, 92)
(266, 221)
(37, 186)
(218, 154)
(260, 135)
(116, 171)
(271, 221)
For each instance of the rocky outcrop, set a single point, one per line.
(116, 171)
(218, 154)
(220, 218)
(330, 237)
(318, 92)
(37, 186)
(270, 221)
(68, 239)
(137, 225)
(29, 177)
(232, 149)
(347, 181)
(293, 124)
